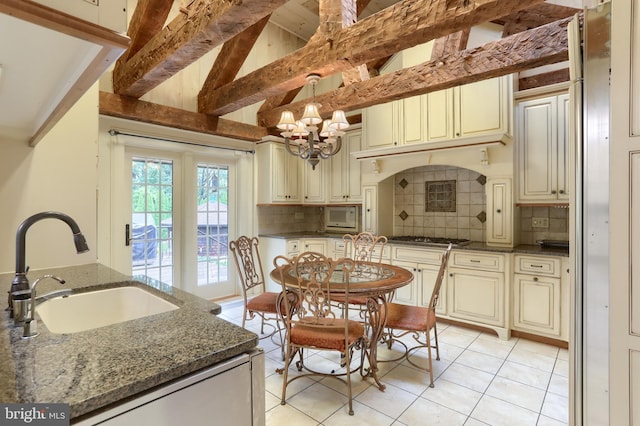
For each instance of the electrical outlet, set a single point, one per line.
(299, 215)
(540, 222)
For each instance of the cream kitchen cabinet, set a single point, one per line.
(499, 212)
(280, 174)
(483, 107)
(319, 245)
(377, 211)
(542, 149)
(476, 290)
(344, 171)
(336, 251)
(424, 264)
(315, 182)
(381, 125)
(539, 297)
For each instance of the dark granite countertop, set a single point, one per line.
(92, 369)
(474, 245)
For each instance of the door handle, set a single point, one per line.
(127, 234)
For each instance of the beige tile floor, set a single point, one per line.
(480, 380)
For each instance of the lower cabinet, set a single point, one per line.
(539, 296)
(424, 264)
(477, 290)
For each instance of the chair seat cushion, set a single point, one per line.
(412, 318)
(325, 333)
(353, 300)
(264, 302)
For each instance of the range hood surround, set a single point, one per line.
(490, 155)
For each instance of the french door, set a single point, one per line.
(181, 213)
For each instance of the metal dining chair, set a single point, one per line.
(309, 320)
(247, 258)
(363, 247)
(419, 321)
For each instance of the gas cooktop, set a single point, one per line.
(430, 240)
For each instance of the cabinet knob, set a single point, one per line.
(419, 270)
(498, 211)
(451, 274)
(535, 279)
(414, 269)
(368, 210)
(553, 191)
(458, 134)
(561, 191)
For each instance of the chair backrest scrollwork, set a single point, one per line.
(363, 246)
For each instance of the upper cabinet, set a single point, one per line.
(344, 171)
(280, 174)
(475, 110)
(315, 187)
(542, 149)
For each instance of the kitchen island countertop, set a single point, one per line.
(92, 369)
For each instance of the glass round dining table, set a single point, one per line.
(376, 282)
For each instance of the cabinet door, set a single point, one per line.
(381, 125)
(537, 149)
(314, 183)
(536, 304)
(563, 148)
(427, 278)
(285, 175)
(476, 296)
(408, 294)
(483, 107)
(412, 113)
(499, 209)
(353, 170)
(369, 203)
(318, 245)
(439, 115)
(345, 173)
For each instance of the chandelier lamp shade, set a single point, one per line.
(302, 138)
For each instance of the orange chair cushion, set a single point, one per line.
(264, 302)
(412, 318)
(332, 336)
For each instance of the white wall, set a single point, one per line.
(59, 174)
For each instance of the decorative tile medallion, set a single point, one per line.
(403, 215)
(403, 183)
(440, 196)
(482, 179)
(482, 217)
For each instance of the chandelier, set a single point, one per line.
(301, 137)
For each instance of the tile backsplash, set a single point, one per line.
(283, 219)
(410, 196)
(558, 228)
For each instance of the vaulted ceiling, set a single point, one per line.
(352, 37)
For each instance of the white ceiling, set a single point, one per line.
(39, 66)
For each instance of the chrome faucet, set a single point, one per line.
(30, 324)
(20, 284)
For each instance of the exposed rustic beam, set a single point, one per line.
(230, 59)
(148, 19)
(543, 79)
(403, 25)
(134, 109)
(186, 39)
(276, 101)
(533, 17)
(451, 43)
(544, 45)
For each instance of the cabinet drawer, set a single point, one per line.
(486, 262)
(417, 255)
(537, 265)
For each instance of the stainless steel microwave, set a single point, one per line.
(341, 219)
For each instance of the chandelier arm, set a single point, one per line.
(287, 146)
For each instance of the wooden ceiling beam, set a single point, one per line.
(403, 25)
(451, 43)
(529, 49)
(148, 19)
(133, 109)
(207, 24)
(230, 59)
